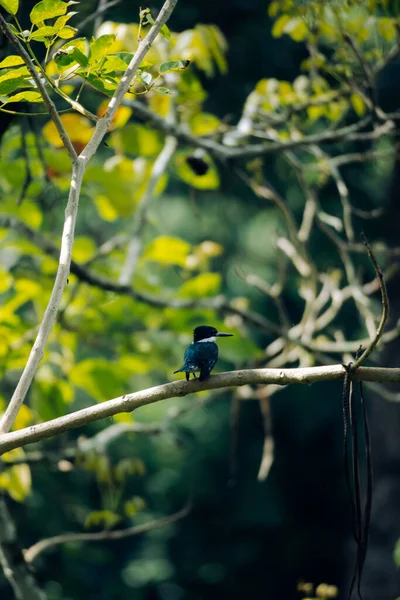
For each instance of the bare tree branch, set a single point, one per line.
(103, 536)
(130, 402)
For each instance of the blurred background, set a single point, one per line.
(242, 537)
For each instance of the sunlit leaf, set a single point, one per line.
(11, 6)
(62, 21)
(138, 140)
(98, 377)
(358, 104)
(208, 180)
(100, 47)
(5, 281)
(26, 96)
(11, 61)
(168, 250)
(16, 481)
(78, 128)
(43, 32)
(204, 124)
(47, 9)
(67, 32)
(165, 32)
(84, 249)
(105, 208)
(205, 284)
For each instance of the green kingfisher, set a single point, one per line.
(202, 354)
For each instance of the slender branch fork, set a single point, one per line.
(130, 402)
(79, 164)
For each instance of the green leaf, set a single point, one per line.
(204, 124)
(47, 9)
(16, 480)
(62, 21)
(43, 32)
(98, 377)
(69, 54)
(67, 32)
(50, 397)
(205, 284)
(396, 553)
(9, 85)
(100, 47)
(174, 65)
(168, 251)
(10, 6)
(145, 77)
(104, 85)
(11, 61)
(163, 91)
(84, 249)
(114, 63)
(165, 32)
(25, 96)
(104, 518)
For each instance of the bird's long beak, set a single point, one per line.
(220, 334)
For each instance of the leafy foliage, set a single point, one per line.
(199, 236)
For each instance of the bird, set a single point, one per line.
(202, 354)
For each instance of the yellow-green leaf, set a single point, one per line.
(206, 179)
(358, 104)
(10, 6)
(279, 25)
(25, 96)
(67, 32)
(204, 124)
(100, 47)
(205, 284)
(11, 61)
(84, 249)
(168, 250)
(386, 28)
(297, 29)
(47, 9)
(43, 32)
(16, 480)
(105, 208)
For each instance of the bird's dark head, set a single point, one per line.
(204, 333)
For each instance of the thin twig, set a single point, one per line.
(104, 536)
(385, 309)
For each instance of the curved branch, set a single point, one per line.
(385, 309)
(31, 553)
(130, 402)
